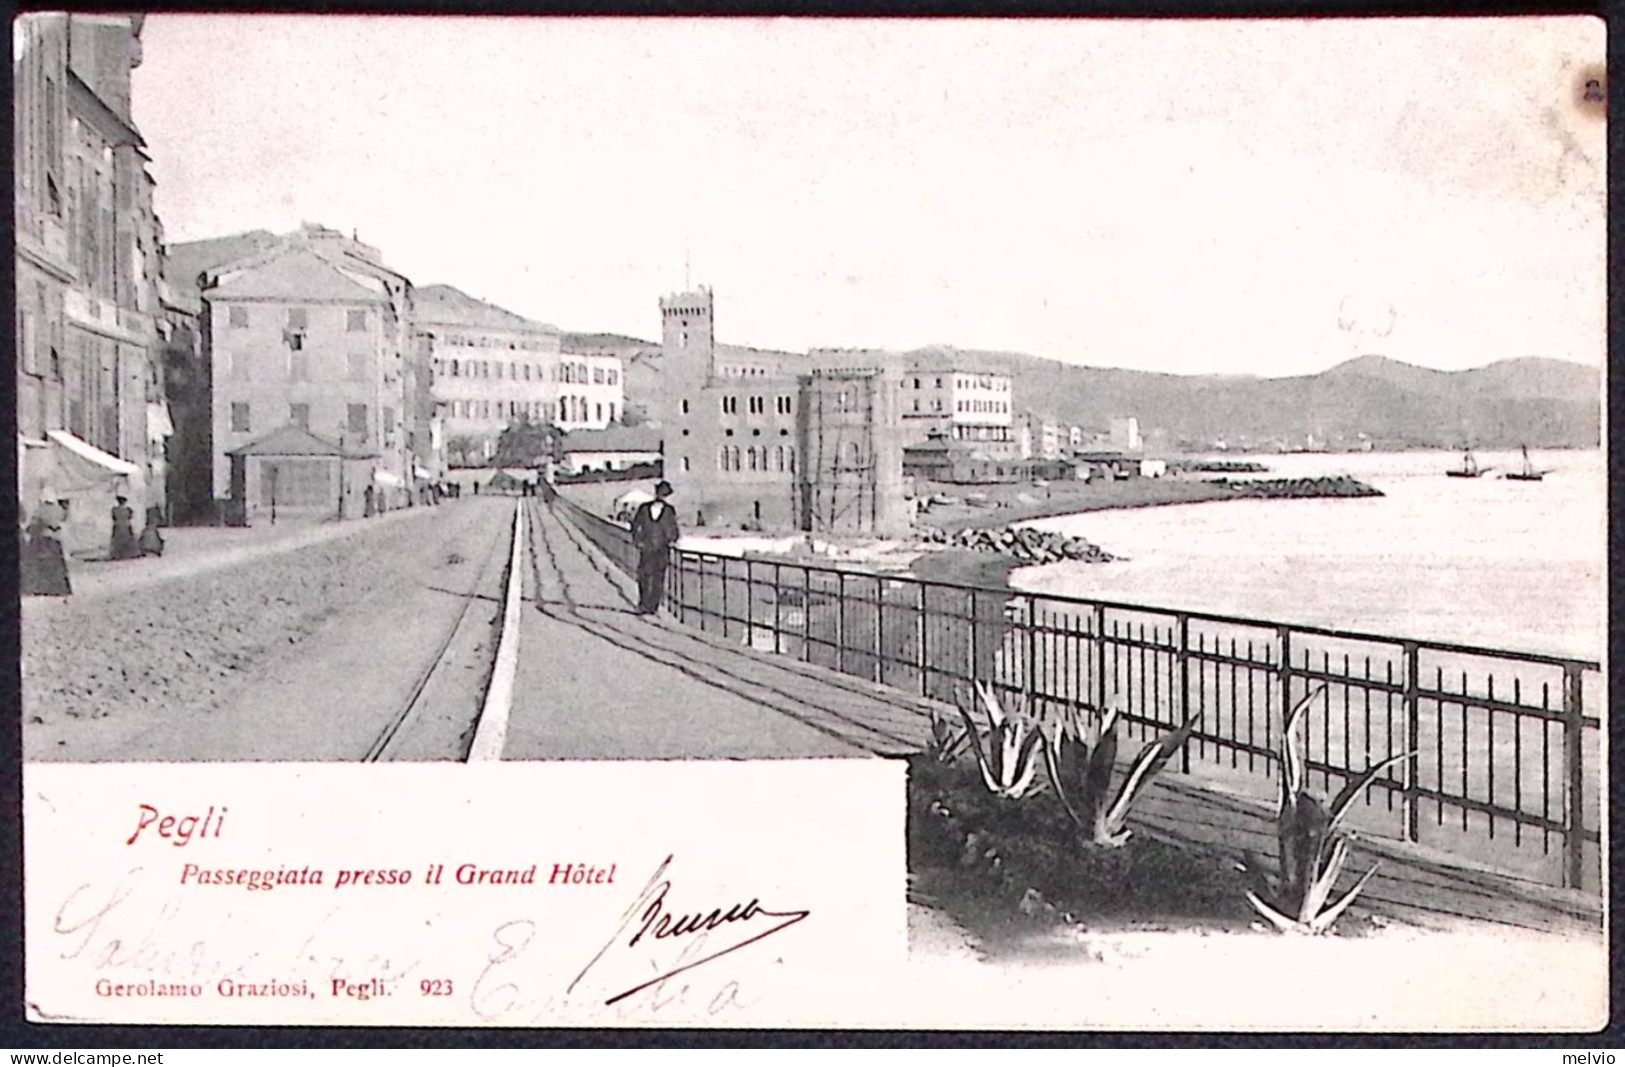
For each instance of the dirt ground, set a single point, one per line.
(278, 655)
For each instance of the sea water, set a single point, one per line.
(1481, 561)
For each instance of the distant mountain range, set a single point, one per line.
(1543, 403)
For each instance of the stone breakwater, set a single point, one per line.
(1292, 488)
(1028, 545)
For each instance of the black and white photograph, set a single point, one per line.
(1051, 524)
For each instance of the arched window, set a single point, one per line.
(752, 456)
(733, 456)
(722, 458)
(778, 457)
(791, 449)
(853, 455)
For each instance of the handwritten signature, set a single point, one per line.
(655, 920)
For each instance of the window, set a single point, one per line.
(564, 409)
(722, 458)
(598, 376)
(299, 415)
(778, 457)
(296, 341)
(355, 320)
(757, 405)
(730, 405)
(239, 417)
(357, 368)
(685, 464)
(237, 317)
(356, 423)
(612, 413)
(612, 376)
(527, 372)
(685, 407)
(785, 405)
(790, 451)
(733, 456)
(298, 319)
(598, 412)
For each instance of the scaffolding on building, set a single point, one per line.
(837, 484)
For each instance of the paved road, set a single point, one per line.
(597, 681)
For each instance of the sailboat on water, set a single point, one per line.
(1529, 473)
(1469, 466)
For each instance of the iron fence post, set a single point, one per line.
(1029, 666)
(975, 665)
(1413, 742)
(880, 631)
(1185, 689)
(840, 621)
(1100, 667)
(725, 597)
(701, 561)
(806, 615)
(682, 589)
(1285, 635)
(778, 609)
(1574, 780)
(919, 637)
(750, 603)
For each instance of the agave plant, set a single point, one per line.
(1082, 775)
(1007, 754)
(1314, 848)
(947, 740)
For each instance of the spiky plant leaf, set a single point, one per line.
(1151, 760)
(1344, 801)
(1323, 922)
(1320, 886)
(1281, 922)
(1064, 759)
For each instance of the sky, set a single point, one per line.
(1263, 198)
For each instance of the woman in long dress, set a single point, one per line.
(152, 542)
(44, 565)
(124, 544)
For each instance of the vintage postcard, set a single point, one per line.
(948, 524)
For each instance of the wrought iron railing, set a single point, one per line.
(1503, 761)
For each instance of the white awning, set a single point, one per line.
(386, 478)
(87, 451)
(421, 474)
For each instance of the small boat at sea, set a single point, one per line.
(1469, 466)
(1528, 474)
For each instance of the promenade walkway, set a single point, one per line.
(597, 681)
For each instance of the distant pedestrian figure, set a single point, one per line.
(44, 565)
(368, 508)
(124, 544)
(152, 542)
(654, 531)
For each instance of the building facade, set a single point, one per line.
(762, 442)
(946, 394)
(314, 332)
(590, 390)
(92, 417)
(490, 367)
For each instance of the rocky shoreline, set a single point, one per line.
(1026, 545)
(1339, 485)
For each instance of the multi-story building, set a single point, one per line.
(815, 447)
(1041, 436)
(91, 406)
(947, 395)
(491, 368)
(314, 331)
(1125, 434)
(590, 390)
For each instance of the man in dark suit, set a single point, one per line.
(654, 531)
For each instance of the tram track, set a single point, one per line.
(469, 629)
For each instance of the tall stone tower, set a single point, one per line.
(689, 428)
(687, 330)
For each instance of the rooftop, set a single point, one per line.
(613, 439)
